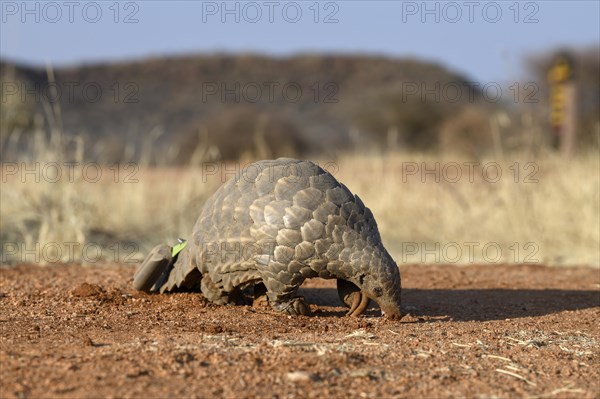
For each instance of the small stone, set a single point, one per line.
(302, 376)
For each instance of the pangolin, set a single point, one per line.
(273, 225)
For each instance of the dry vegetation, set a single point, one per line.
(484, 189)
(543, 208)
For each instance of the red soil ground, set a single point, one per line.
(475, 331)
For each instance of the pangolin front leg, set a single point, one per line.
(281, 293)
(352, 297)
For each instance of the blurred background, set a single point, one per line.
(471, 129)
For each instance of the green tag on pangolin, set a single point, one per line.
(178, 248)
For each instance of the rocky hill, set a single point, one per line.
(226, 105)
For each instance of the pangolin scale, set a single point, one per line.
(275, 224)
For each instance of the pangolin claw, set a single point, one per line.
(360, 302)
(353, 297)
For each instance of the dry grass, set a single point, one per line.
(548, 213)
(550, 209)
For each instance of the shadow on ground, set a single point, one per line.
(473, 304)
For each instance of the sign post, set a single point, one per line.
(563, 107)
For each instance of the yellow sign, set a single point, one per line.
(560, 74)
(561, 71)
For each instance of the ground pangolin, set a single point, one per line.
(270, 227)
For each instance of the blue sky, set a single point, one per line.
(485, 40)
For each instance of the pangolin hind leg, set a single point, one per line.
(217, 295)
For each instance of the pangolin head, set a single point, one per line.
(379, 282)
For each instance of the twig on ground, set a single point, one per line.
(498, 357)
(520, 377)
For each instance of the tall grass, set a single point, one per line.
(547, 213)
(542, 209)
(93, 211)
